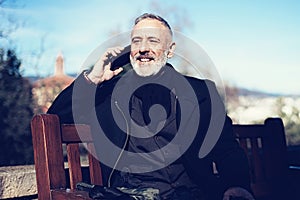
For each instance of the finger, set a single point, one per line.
(107, 66)
(117, 49)
(117, 71)
(113, 52)
(107, 75)
(108, 54)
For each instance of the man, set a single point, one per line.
(157, 121)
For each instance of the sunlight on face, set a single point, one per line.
(150, 45)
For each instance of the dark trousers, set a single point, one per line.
(184, 193)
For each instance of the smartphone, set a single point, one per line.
(122, 59)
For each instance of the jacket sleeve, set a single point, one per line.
(77, 99)
(230, 159)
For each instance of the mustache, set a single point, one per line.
(144, 56)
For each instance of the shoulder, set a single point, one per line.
(201, 85)
(198, 81)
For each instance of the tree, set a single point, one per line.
(9, 23)
(16, 103)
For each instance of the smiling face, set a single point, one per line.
(151, 46)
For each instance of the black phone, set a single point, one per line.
(122, 59)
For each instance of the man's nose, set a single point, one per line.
(144, 47)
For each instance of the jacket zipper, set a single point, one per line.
(125, 143)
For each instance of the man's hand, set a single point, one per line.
(101, 70)
(237, 192)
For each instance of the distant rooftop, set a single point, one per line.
(59, 76)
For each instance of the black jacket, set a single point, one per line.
(82, 102)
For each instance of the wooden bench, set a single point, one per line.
(264, 145)
(48, 138)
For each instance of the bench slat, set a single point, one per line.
(70, 133)
(74, 164)
(95, 169)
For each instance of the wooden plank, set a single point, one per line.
(249, 130)
(43, 185)
(258, 165)
(73, 155)
(243, 144)
(275, 149)
(48, 156)
(54, 155)
(60, 194)
(70, 133)
(95, 169)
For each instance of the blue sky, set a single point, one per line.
(253, 43)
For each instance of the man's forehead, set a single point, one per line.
(149, 31)
(150, 27)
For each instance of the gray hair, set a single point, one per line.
(153, 16)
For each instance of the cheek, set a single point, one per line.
(159, 52)
(133, 52)
(134, 49)
(159, 49)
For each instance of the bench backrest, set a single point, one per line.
(48, 140)
(264, 145)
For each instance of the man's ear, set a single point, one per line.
(171, 50)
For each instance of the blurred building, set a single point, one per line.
(45, 90)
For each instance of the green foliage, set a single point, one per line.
(16, 112)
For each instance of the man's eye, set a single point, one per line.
(135, 41)
(154, 41)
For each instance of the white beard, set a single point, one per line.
(148, 69)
